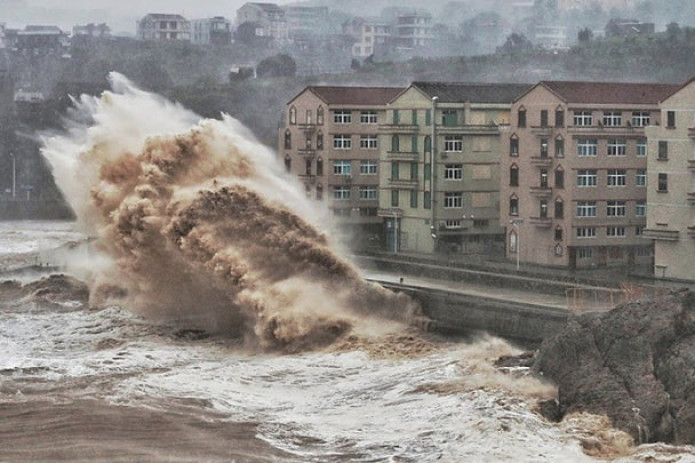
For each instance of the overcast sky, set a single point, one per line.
(119, 14)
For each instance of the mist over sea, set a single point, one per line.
(200, 312)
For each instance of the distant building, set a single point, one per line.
(38, 40)
(330, 141)
(670, 189)
(211, 31)
(372, 36)
(413, 30)
(92, 30)
(550, 37)
(306, 20)
(164, 27)
(574, 173)
(269, 20)
(564, 5)
(627, 27)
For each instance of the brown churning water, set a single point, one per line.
(195, 220)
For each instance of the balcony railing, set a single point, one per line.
(541, 160)
(544, 222)
(661, 235)
(403, 183)
(541, 191)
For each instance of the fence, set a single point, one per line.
(591, 299)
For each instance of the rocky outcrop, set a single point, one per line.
(635, 364)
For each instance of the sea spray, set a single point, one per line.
(200, 223)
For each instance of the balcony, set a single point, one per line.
(691, 164)
(490, 129)
(660, 234)
(390, 212)
(308, 179)
(403, 183)
(542, 222)
(542, 131)
(691, 132)
(308, 152)
(307, 128)
(400, 128)
(541, 160)
(541, 191)
(402, 156)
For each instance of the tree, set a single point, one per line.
(585, 35)
(517, 42)
(280, 65)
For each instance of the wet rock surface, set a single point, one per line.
(635, 364)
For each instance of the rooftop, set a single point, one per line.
(356, 95)
(610, 92)
(453, 92)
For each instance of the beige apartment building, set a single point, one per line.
(453, 208)
(574, 189)
(671, 186)
(330, 140)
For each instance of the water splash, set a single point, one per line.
(200, 222)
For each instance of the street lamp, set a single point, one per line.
(14, 176)
(516, 224)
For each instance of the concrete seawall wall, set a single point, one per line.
(35, 210)
(452, 312)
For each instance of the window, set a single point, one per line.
(662, 186)
(453, 224)
(341, 192)
(428, 117)
(513, 205)
(342, 117)
(559, 209)
(585, 253)
(307, 167)
(521, 114)
(396, 117)
(453, 200)
(559, 117)
(319, 192)
(413, 198)
(453, 172)
(319, 115)
(293, 115)
(612, 118)
(368, 167)
(368, 142)
(558, 233)
(453, 143)
(449, 118)
(559, 148)
(368, 117)
(513, 241)
(308, 117)
(544, 147)
(413, 171)
(319, 140)
(615, 232)
(307, 190)
(640, 118)
(544, 178)
(514, 146)
(414, 117)
(586, 177)
(288, 139)
(544, 118)
(395, 144)
(586, 232)
(342, 142)
(428, 172)
(368, 192)
(616, 147)
(586, 209)
(543, 206)
(641, 147)
(514, 175)
(427, 200)
(428, 144)
(641, 177)
(307, 142)
(670, 119)
(616, 177)
(395, 194)
(615, 208)
(319, 166)
(559, 178)
(663, 150)
(288, 163)
(395, 171)
(342, 167)
(587, 147)
(640, 208)
(413, 144)
(583, 118)
(481, 223)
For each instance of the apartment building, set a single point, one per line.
(574, 173)
(164, 27)
(453, 207)
(269, 20)
(330, 141)
(211, 31)
(413, 30)
(373, 36)
(671, 186)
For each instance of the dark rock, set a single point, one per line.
(525, 359)
(635, 364)
(550, 409)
